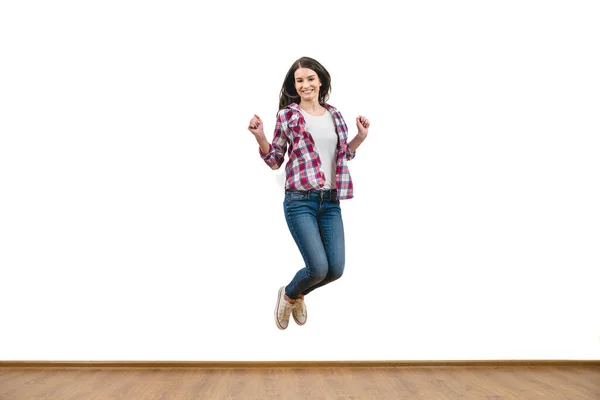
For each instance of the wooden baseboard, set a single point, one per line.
(291, 364)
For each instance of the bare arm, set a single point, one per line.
(263, 144)
(354, 143)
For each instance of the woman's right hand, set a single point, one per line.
(256, 126)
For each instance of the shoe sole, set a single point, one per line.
(279, 295)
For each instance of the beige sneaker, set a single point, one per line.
(299, 312)
(283, 309)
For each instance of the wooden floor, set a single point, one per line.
(343, 383)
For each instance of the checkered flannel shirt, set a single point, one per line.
(303, 169)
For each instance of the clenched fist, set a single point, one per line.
(256, 126)
(362, 123)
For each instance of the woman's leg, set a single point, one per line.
(331, 229)
(301, 213)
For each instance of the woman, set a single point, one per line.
(317, 178)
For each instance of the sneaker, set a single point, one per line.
(283, 309)
(299, 312)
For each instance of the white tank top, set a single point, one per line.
(322, 130)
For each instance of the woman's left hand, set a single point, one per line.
(362, 123)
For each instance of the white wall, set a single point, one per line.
(137, 221)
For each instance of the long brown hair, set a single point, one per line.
(289, 94)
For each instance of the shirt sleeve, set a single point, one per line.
(343, 128)
(274, 158)
(349, 154)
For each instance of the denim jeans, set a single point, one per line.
(314, 218)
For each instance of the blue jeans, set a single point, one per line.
(314, 218)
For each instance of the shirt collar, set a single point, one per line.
(296, 107)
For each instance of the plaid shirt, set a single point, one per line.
(303, 170)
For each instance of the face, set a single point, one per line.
(307, 84)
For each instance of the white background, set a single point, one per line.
(138, 222)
